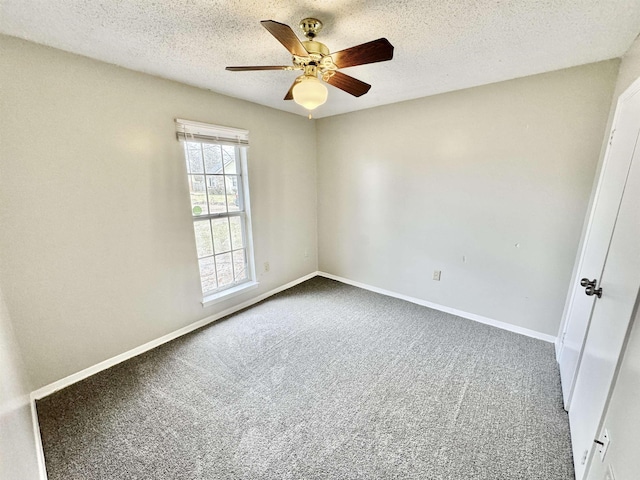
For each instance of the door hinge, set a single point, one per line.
(611, 137)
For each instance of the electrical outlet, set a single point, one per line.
(306, 253)
(436, 275)
(609, 474)
(266, 266)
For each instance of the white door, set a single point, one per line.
(610, 321)
(615, 169)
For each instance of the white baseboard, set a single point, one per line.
(87, 372)
(470, 316)
(42, 470)
(558, 347)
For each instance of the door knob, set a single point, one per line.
(592, 290)
(585, 282)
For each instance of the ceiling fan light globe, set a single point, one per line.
(310, 93)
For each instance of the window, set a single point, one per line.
(216, 172)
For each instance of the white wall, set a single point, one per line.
(622, 418)
(17, 442)
(500, 175)
(97, 246)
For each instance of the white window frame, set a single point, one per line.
(196, 132)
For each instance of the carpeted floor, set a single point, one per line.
(322, 381)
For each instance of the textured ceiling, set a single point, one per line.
(440, 45)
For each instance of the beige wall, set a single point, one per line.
(97, 248)
(17, 442)
(629, 69)
(99, 257)
(622, 419)
(499, 175)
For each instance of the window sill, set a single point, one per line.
(229, 293)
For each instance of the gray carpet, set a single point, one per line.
(322, 381)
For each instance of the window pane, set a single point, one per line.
(215, 186)
(204, 244)
(225, 270)
(236, 232)
(233, 193)
(239, 265)
(230, 160)
(216, 189)
(198, 195)
(194, 157)
(221, 237)
(212, 158)
(208, 274)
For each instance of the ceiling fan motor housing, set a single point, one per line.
(318, 57)
(314, 47)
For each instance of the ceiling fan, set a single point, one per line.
(314, 59)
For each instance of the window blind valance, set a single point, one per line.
(206, 133)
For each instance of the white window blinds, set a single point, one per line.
(205, 133)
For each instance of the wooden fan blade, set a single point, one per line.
(264, 67)
(349, 84)
(379, 50)
(286, 37)
(289, 95)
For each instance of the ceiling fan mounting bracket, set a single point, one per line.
(311, 27)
